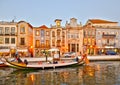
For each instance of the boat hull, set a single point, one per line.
(43, 66)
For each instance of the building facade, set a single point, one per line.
(8, 38)
(95, 37)
(41, 40)
(89, 39)
(74, 36)
(108, 39)
(106, 35)
(58, 36)
(24, 39)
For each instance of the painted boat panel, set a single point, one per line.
(41, 66)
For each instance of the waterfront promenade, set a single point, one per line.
(91, 58)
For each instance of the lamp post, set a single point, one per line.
(45, 54)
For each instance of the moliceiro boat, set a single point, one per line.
(43, 65)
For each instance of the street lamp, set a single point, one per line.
(45, 52)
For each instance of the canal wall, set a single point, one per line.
(91, 58)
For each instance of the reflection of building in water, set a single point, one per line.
(3, 74)
(106, 74)
(110, 75)
(89, 75)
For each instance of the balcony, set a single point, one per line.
(7, 34)
(1, 34)
(108, 35)
(114, 44)
(13, 34)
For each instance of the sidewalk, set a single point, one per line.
(91, 58)
(104, 57)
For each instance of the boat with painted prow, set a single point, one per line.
(44, 65)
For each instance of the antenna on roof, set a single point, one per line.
(14, 19)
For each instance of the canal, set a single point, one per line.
(96, 73)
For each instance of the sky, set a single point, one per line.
(44, 12)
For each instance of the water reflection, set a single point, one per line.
(97, 73)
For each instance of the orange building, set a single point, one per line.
(24, 39)
(41, 40)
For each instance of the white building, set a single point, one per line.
(107, 35)
(8, 38)
(74, 36)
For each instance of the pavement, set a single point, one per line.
(91, 58)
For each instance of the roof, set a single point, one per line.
(43, 26)
(26, 22)
(58, 20)
(99, 21)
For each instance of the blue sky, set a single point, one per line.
(39, 12)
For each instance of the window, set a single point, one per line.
(1, 40)
(89, 41)
(53, 34)
(47, 43)
(107, 41)
(77, 47)
(22, 41)
(42, 34)
(1, 30)
(73, 47)
(85, 41)
(37, 44)
(12, 30)
(37, 33)
(12, 40)
(47, 33)
(53, 42)
(6, 30)
(58, 32)
(22, 30)
(6, 40)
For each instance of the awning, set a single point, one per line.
(53, 49)
(4, 50)
(109, 47)
(22, 50)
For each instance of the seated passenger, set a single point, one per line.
(25, 61)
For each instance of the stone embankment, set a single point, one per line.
(91, 58)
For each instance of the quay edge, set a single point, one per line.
(91, 58)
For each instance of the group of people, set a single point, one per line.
(19, 60)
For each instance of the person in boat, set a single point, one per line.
(19, 60)
(84, 58)
(77, 59)
(25, 61)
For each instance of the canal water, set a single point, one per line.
(96, 73)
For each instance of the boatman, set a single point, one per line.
(19, 60)
(85, 59)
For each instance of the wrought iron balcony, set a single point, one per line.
(114, 44)
(109, 35)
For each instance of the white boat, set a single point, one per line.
(41, 65)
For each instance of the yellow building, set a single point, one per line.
(58, 37)
(89, 39)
